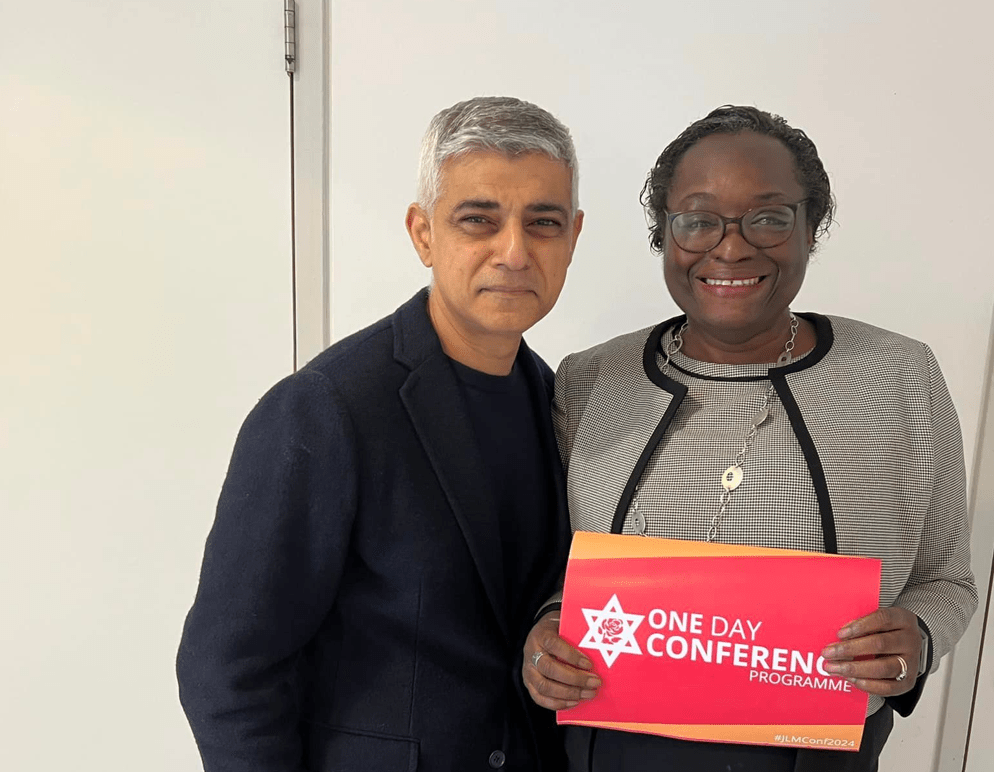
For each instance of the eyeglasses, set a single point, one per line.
(762, 227)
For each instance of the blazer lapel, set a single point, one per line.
(437, 409)
(541, 392)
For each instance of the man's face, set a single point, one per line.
(498, 244)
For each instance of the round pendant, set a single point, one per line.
(732, 477)
(638, 521)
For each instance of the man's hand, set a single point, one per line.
(883, 638)
(557, 675)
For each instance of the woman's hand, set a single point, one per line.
(882, 637)
(557, 675)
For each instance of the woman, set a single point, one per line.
(745, 423)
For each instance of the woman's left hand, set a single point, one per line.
(885, 637)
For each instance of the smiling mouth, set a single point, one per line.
(733, 282)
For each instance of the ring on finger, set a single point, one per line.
(536, 657)
(904, 669)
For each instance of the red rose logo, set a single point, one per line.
(610, 630)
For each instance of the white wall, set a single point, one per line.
(145, 283)
(896, 95)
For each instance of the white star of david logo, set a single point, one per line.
(611, 630)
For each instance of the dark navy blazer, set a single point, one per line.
(351, 611)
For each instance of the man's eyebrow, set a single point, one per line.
(542, 207)
(476, 203)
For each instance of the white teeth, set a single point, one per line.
(732, 282)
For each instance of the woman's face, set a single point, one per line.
(729, 174)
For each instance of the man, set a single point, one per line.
(394, 513)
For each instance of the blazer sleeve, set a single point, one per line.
(271, 569)
(575, 379)
(560, 419)
(941, 589)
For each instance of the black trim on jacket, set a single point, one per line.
(777, 376)
(903, 704)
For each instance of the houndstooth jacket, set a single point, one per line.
(879, 438)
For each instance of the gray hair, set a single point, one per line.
(501, 124)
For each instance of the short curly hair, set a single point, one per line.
(735, 119)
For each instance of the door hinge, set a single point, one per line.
(290, 35)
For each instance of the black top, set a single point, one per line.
(504, 418)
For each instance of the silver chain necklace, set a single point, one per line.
(732, 477)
